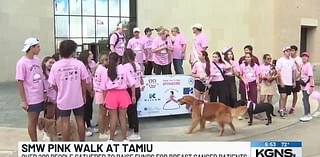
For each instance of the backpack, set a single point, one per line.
(117, 41)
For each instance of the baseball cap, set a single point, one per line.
(136, 29)
(148, 29)
(286, 48)
(29, 42)
(305, 54)
(121, 25)
(198, 26)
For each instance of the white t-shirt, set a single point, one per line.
(298, 63)
(286, 67)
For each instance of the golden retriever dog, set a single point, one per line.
(211, 111)
(53, 127)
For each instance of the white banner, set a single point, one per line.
(161, 93)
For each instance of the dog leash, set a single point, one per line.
(246, 87)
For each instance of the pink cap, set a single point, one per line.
(305, 54)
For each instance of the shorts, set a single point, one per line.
(268, 89)
(198, 85)
(36, 107)
(98, 96)
(285, 89)
(297, 88)
(67, 113)
(117, 99)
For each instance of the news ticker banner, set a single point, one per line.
(160, 95)
(160, 149)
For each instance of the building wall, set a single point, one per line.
(20, 19)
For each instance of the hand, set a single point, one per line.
(91, 93)
(310, 90)
(45, 97)
(282, 85)
(134, 100)
(24, 105)
(245, 83)
(145, 61)
(294, 84)
(190, 62)
(183, 55)
(142, 87)
(84, 99)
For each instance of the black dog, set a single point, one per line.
(258, 108)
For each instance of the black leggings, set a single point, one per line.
(132, 112)
(162, 69)
(148, 68)
(87, 116)
(231, 90)
(216, 91)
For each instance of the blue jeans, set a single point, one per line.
(177, 63)
(306, 104)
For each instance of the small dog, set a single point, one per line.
(53, 127)
(257, 108)
(213, 111)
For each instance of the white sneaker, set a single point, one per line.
(305, 118)
(125, 140)
(240, 118)
(110, 141)
(310, 117)
(317, 114)
(104, 136)
(45, 137)
(93, 130)
(134, 137)
(88, 133)
(130, 132)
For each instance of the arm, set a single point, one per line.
(24, 103)
(112, 48)
(133, 91)
(184, 48)
(84, 88)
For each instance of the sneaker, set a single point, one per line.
(109, 140)
(134, 137)
(88, 133)
(45, 137)
(305, 118)
(93, 130)
(310, 117)
(104, 136)
(292, 109)
(125, 140)
(317, 114)
(240, 118)
(130, 132)
(282, 114)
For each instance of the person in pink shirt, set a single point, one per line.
(29, 76)
(249, 76)
(104, 120)
(118, 40)
(85, 58)
(148, 39)
(307, 85)
(117, 98)
(200, 43)
(50, 105)
(201, 73)
(230, 77)
(217, 70)
(162, 53)
(68, 77)
(91, 63)
(179, 49)
(136, 44)
(136, 72)
(267, 80)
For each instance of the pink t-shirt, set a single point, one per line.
(89, 79)
(67, 74)
(306, 73)
(264, 70)
(162, 57)
(124, 80)
(30, 72)
(148, 47)
(51, 93)
(137, 46)
(101, 70)
(119, 48)
(136, 75)
(234, 67)
(249, 73)
(215, 74)
(178, 43)
(200, 42)
(199, 68)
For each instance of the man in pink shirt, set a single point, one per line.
(148, 39)
(179, 48)
(68, 76)
(200, 43)
(136, 44)
(118, 40)
(30, 79)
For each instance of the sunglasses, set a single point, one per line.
(268, 58)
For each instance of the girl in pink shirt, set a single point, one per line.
(52, 94)
(217, 79)
(136, 72)
(201, 73)
(117, 98)
(29, 76)
(104, 121)
(267, 80)
(249, 76)
(230, 77)
(307, 85)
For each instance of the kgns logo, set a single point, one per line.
(275, 153)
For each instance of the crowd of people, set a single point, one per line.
(62, 83)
